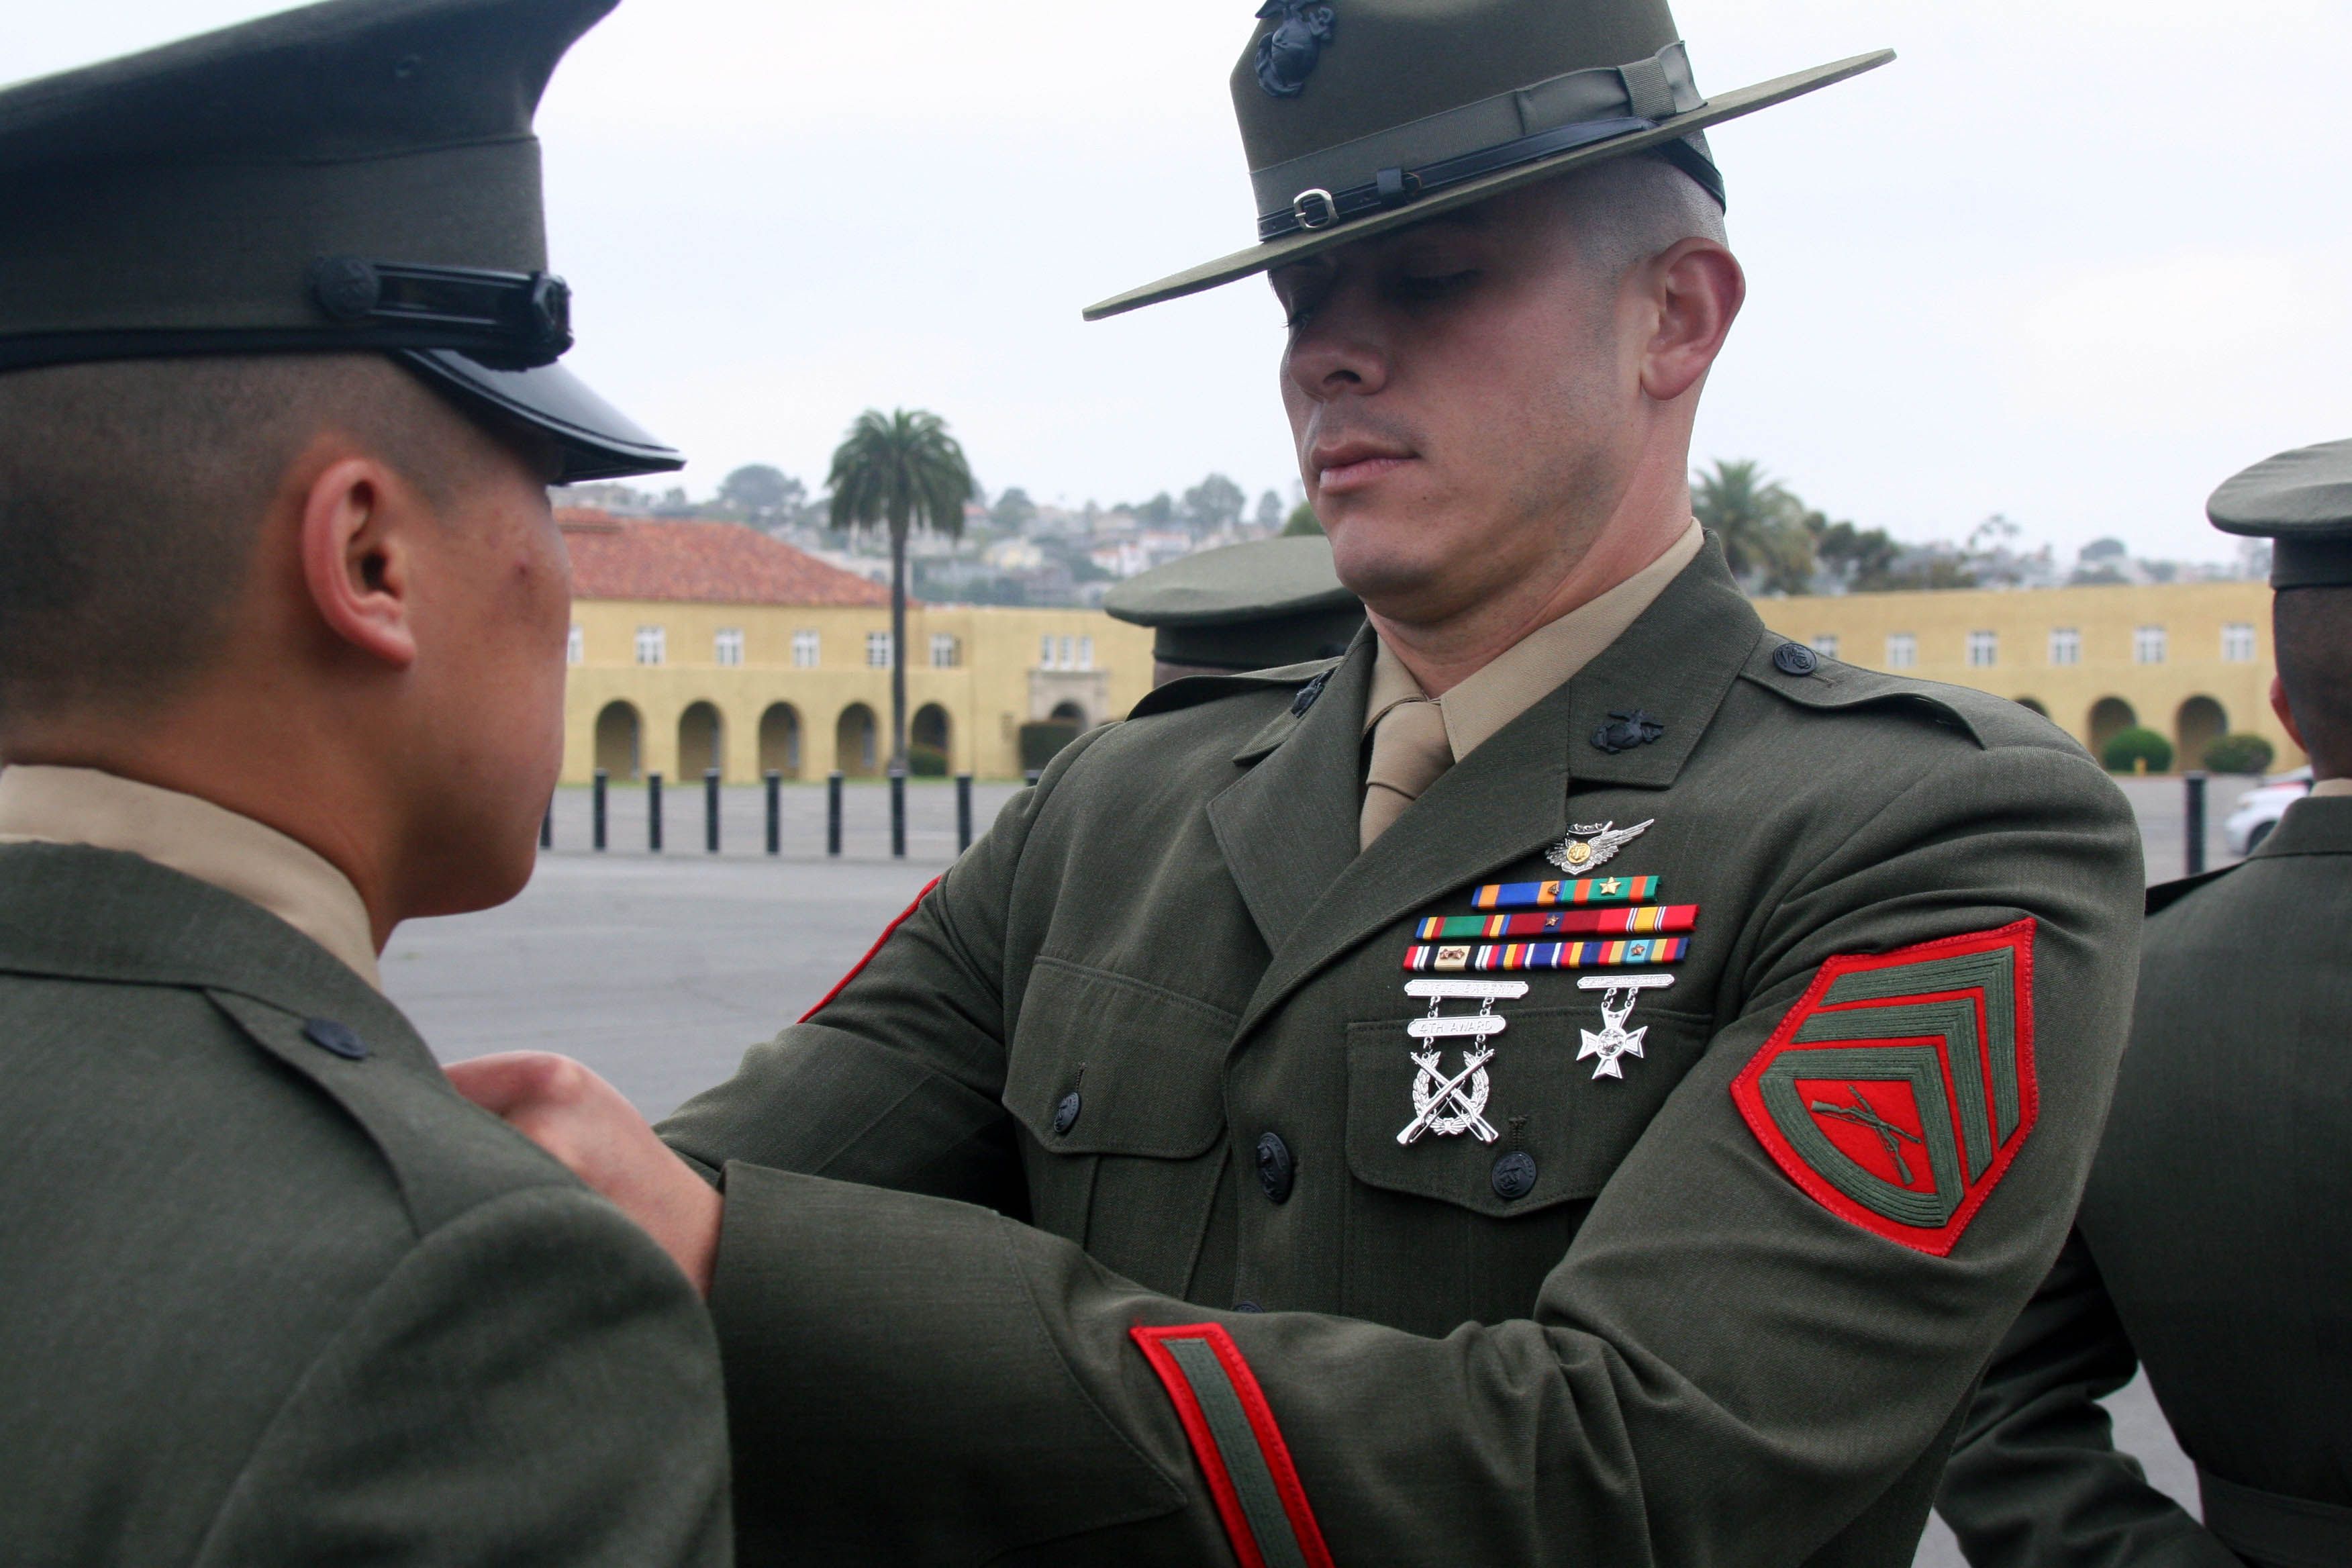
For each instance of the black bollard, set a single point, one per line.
(596, 812)
(653, 812)
(711, 811)
(897, 814)
(833, 814)
(775, 812)
(546, 825)
(964, 811)
(2193, 825)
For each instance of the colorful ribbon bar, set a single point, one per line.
(1561, 922)
(1547, 954)
(1547, 895)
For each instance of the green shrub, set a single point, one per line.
(1040, 741)
(926, 762)
(2138, 744)
(2239, 754)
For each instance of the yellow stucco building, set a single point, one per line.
(701, 645)
(2191, 661)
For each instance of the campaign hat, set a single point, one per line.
(355, 176)
(1259, 605)
(1362, 116)
(2302, 502)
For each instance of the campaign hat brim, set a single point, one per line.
(594, 440)
(1299, 246)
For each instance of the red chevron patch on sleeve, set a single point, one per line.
(1899, 1089)
(860, 967)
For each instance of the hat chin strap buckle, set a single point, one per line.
(1315, 209)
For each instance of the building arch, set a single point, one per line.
(2199, 723)
(1069, 713)
(779, 739)
(2034, 705)
(929, 742)
(2110, 717)
(701, 740)
(856, 751)
(620, 741)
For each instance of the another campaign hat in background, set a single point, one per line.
(1260, 605)
(2302, 502)
(1361, 116)
(353, 177)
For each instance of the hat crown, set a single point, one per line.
(1390, 62)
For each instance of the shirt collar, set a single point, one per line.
(195, 838)
(2326, 787)
(1536, 665)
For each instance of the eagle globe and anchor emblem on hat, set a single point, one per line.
(1359, 117)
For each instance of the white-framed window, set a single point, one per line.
(727, 648)
(807, 648)
(1902, 650)
(1067, 656)
(1826, 645)
(2238, 643)
(947, 651)
(1984, 649)
(575, 648)
(877, 650)
(2065, 644)
(653, 645)
(1085, 653)
(1046, 652)
(2147, 644)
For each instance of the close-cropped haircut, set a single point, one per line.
(2313, 631)
(131, 499)
(1628, 210)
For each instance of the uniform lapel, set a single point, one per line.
(1508, 799)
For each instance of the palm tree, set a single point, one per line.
(899, 470)
(1763, 527)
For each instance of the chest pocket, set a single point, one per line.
(1120, 1084)
(1560, 1132)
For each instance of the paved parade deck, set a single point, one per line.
(659, 970)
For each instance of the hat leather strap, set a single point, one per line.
(1392, 167)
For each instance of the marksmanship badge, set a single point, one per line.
(1451, 1104)
(1585, 848)
(1900, 1087)
(1614, 1042)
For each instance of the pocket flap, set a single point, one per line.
(1146, 1065)
(1564, 1130)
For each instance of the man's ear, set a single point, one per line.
(1697, 287)
(357, 541)
(2279, 706)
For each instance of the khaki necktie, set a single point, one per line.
(1409, 751)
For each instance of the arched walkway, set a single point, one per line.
(854, 749)
(2198, 725)
(2033, 705)
(700, 742)
(780, 740)
(619, 749)
(2110, 716)
(1069, 713)
(927, 750)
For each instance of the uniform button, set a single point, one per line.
(1275, 1169)
(1515, 1175)
(338, 1039)
(1065, 1115)
(1796, 659)
(1247, 1307)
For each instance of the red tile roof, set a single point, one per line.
(700, 562)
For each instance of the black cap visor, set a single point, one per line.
(594, 439)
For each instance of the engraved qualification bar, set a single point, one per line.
(1561, 924)
(1550, 895)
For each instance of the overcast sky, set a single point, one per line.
(2075, 261)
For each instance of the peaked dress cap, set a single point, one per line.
(2302, 502)
(355, 176)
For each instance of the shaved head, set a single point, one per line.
(2314, 628)
(1628, 210)
(131, 498)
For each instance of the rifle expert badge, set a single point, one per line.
(1450, 1104)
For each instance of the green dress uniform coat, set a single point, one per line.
(270, 1292)
(2213, 1248)
(1099, 1316)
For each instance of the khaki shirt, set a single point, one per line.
(195, 838)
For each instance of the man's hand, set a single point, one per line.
(584, 1121)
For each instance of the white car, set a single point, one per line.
(2259, 809)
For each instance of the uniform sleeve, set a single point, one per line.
(906, 1059)
(534, 1383)
(1723, 1369)
(2035, 1481)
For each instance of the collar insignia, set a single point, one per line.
(1627, 731)
(1288, 55)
